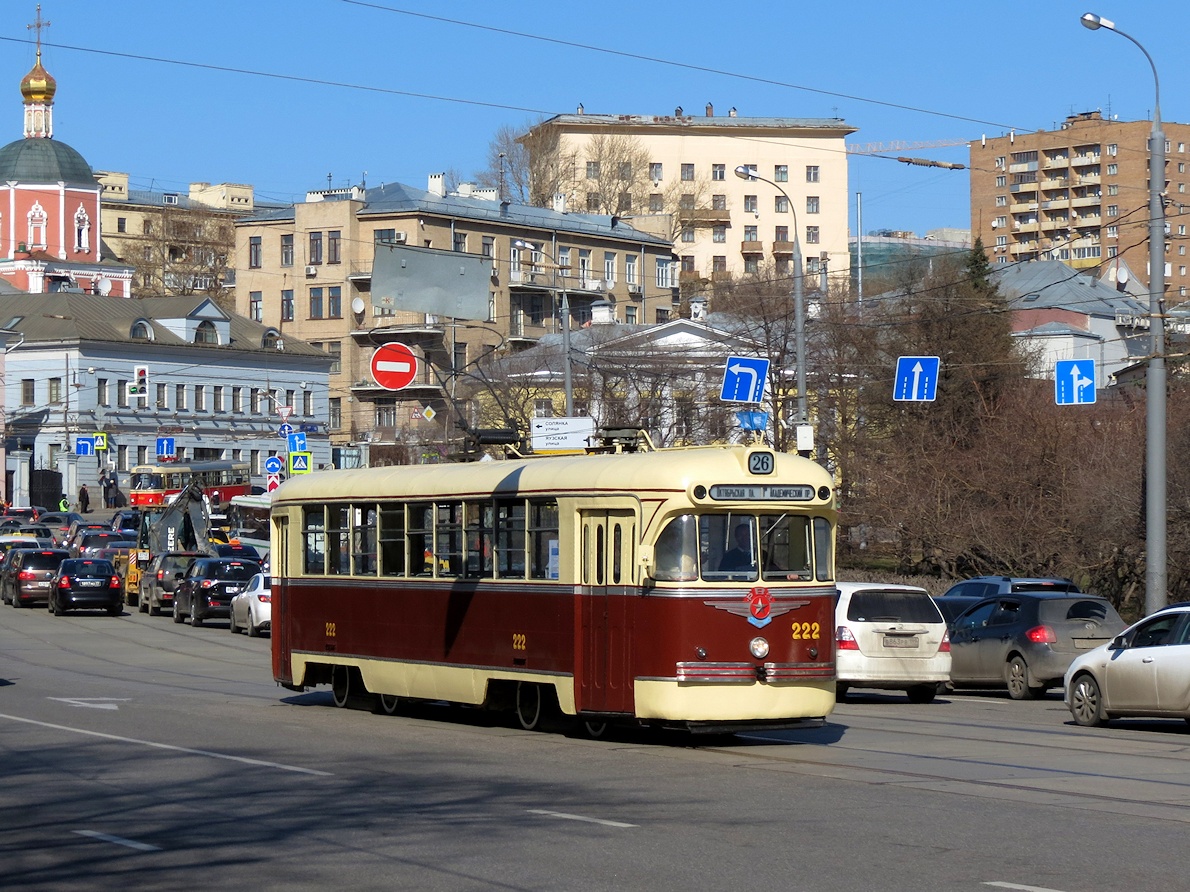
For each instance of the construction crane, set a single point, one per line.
(884, 148)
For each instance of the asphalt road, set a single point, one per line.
(139, 754)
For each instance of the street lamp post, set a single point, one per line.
(1155, 397)
(799, 300)
(567, 382)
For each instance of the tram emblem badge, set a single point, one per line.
(756, 606)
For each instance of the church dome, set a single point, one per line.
(38, 85)
(43, 161)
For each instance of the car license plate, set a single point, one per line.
(1088, 643)
(901, 641)
(90, 583)
(45, 583)
(233, 590)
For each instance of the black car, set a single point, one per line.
(236, 550)
(208, 587)
(27, 575)
(85, 584)
(963, 595)
(1025, 641)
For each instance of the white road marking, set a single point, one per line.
(567, 817)
(118, 840)
(165, 746)
(93, 702)
(1021, 888)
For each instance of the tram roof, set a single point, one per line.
(664, 470)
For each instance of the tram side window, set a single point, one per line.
(338, 531)
(420, 536)
(676, 553)
(510, 540)
(478, 532)
(543, 540)
(448, 539)
(363, 540)
(392, 540)
(314, 539)
(785, 546)
(824, 558)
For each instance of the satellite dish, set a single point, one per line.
(357, 304)
(1122, 276)
(105, 286)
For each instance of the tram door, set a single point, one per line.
(279, 567)
(607, 598)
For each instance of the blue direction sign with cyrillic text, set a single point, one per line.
(165, 447)
(84, 445)
(1074, 382)
(744, 378)
(274, 465)
(917, 379)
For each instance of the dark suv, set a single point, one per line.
(161, 577)
(27, 574)
(1025, 641)
(208, 587)
(963, 594)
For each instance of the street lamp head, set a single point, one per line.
(1094, 22)
(744, 172)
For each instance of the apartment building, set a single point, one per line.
(306, 270)
(675, 175)
(1080, 194)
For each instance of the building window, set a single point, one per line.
(55, 392)
(28, 392)
(665, 273)
(307, 403)
(781, 234)
(179, 397)
(459, 243)
(334, 241)
(335, 413)
(121, 224)
(237, 400)
(564, 259)
(609, 268)
(206, 333)
(811, 235)
(1002, 241)
(1112, 149)
(811, 204)
(811, 173)
(200, 398)
(687, 263)
(656, 203)
(287, 250)
(630, 314)
(256, 305)
(751, 205)
(686, 202)
(593, 201)
(1001, 182)
(592, 170)
(655, 171)
(1000, 222)
(254, 252)
(661, 315)
(688, 173)
(719, 263)
(719, 234)
(630, 269)
(687, 234)
(1001, 201)
(217, 398)
(335, 349)
(315, 303)
(751, 264)
(1111, 170)
(315, 247)
(780, 173)
(780, 204)
(384, 236)
(624, 203)
(750, 233)
(718, 202)
(162, 396)
(101, 392)
(287, 305)
(255, 400)
(1113, 210)
(334, 302)
(718, 172)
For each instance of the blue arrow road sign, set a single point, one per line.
(84, 445)
(285, 430)
(917, 378)
(1074, 382)
(273, 465)
(165, 447)
(297, 442)
(744, 378)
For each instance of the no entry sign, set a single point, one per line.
(394, 366)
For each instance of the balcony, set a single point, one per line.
(1083, 160)
(781, 248)
(1057, 161)
(359, 271)
(1023, 206)
(705, 216)
(1055, 183)
(751, 247)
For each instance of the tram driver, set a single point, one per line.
(739, 557)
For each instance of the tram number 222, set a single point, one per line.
(806, 631)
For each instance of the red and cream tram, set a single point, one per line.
(688, 588)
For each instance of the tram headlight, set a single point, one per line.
(759, 648)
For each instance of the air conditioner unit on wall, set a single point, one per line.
(400, 238)
(311, 272)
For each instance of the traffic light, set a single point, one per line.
(139, 385)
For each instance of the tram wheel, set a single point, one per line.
(341, 685)
(390, 704)
(528, 705)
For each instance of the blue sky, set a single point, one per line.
(428, 94)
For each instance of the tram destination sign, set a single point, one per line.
(760, 492)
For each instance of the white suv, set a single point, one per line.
(891, 637)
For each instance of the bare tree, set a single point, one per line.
(186, 250)
(524, 164)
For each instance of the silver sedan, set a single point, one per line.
(1144, 671)
(252, 609)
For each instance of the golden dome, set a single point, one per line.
(38, 85)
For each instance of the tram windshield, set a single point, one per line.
(741, 547)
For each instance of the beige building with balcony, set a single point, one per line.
(1080, 194)
(306, 270)
(674, 175)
